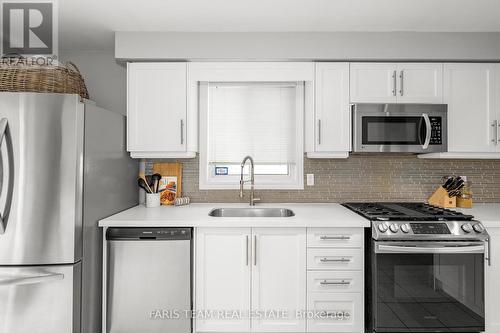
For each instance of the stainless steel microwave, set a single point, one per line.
(400, 128)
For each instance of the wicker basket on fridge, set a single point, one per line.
(21, 76)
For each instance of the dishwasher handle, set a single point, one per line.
(148, 234)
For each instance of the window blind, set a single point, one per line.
(256, 119)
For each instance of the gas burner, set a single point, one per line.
(406, 211)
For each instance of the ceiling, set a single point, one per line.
(90, 24)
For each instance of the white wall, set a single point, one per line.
(106, 79)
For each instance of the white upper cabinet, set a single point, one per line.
(420, 83)
(469, 91)
(397, 83)
(329, 132)
(373, 82)
(157, 118)
(279, 278)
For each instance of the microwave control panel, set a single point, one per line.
(436, 134)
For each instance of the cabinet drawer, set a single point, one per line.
(335, 312)
(335, 237)
(332, 281)
(338, 259)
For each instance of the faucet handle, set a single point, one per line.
(256, 199)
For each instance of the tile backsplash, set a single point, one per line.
(363, 178)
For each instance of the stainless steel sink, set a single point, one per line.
(251, 212)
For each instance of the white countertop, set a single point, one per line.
(487, 213)
(330, 215)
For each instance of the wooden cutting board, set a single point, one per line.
(170, 170)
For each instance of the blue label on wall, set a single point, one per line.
(221, 171)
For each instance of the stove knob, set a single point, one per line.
(394, 227)
(405, 228)
(467, 227)
(382, 227)
(478, 228)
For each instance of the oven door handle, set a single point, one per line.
(428, 131)
(380, 248)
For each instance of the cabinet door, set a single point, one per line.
(156, 107)
(222, 278)
(492, 276)
(373, 83)
(469, 93)
(420, 83)
(279, 278)
(332, 112)
(496, 134)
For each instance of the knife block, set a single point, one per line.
(440, 198)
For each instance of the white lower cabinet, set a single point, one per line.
(242, 269)
(492, 276)
(279, 278)
(222, 278)
(335, 280)
(339, 312)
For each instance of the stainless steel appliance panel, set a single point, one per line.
(148, 280)
(427, 287)
(42, 176)
(110, 186)
(400, 128)
(41, 299)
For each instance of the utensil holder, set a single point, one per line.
(152, 200)
(441, 198)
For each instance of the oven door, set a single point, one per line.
(399, 128)
(428, 286)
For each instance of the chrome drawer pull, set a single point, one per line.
(335, 237)
(337, 283)
(335, 260)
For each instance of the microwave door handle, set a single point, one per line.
(439, 249)
(428, 131)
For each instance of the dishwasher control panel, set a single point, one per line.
(152, 233)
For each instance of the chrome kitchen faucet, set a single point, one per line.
(253, 199)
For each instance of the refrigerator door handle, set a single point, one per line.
(30, 279)
(3, 130)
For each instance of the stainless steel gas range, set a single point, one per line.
(425, 268)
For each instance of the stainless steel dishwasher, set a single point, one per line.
(149, 280)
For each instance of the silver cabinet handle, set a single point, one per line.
(3, 130)
(335, 283)
(255, 250)
(487, 257)
(428, 131)
(23, 280)
(335, 237)
(401, 80)
(495, 129)
(182, 131)
(246, 249)
(335, 260)
(319, 131)
(394, 83)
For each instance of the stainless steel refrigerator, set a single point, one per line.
(64, 166)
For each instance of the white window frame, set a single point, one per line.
(295, 178)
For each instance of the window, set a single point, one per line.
(260, 119)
